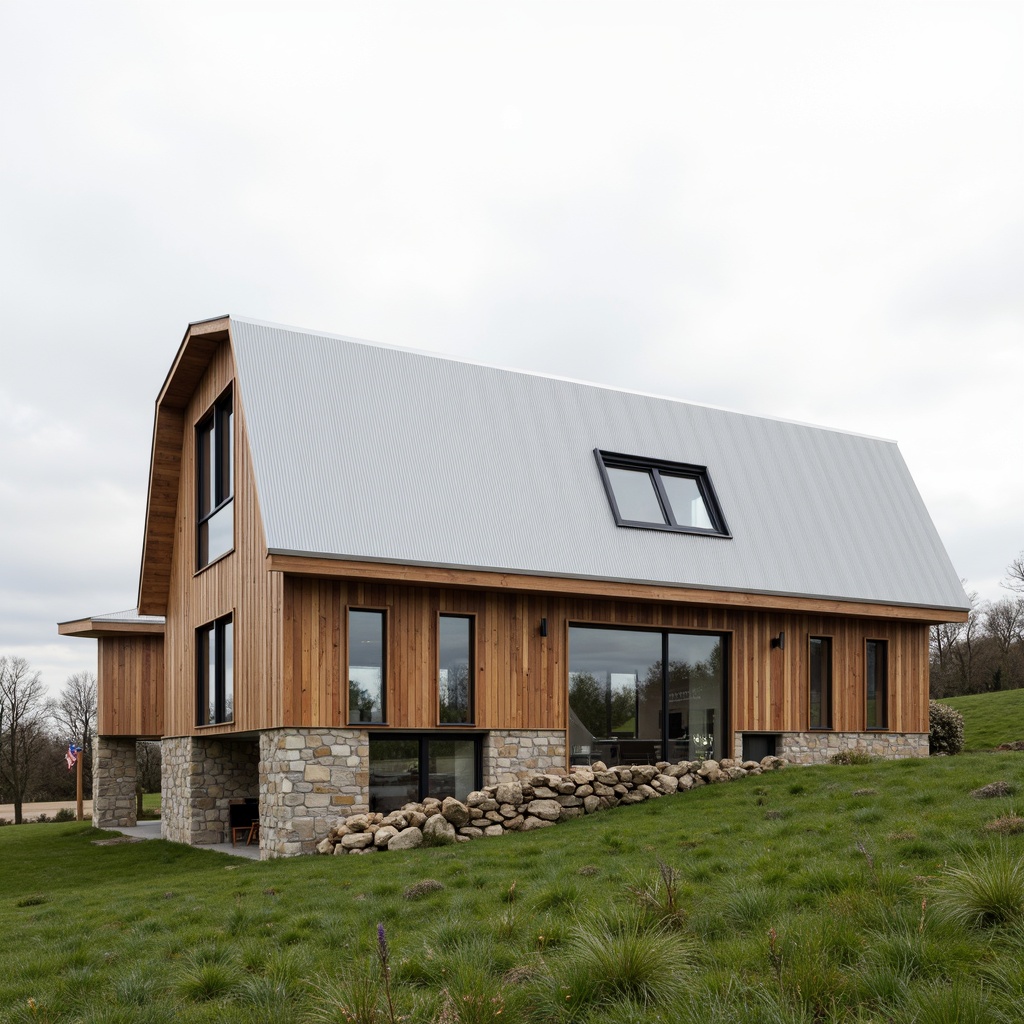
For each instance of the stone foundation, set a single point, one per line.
(818, 747)
(200, 776)
(114, 776)
(523, 752)
(308, 778)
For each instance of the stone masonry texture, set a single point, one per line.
(522, 752)
(114, 775)
(818, 747)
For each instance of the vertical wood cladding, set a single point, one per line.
(130, 682)
(237, 584)
(522, 678)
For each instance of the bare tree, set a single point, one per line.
(1015, 575)
(74, 716)
(22, 732)
(1004, 622)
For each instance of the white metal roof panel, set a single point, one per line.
(369, 452)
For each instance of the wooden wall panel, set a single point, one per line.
(130, 686)
(237, 584)
(522, 678)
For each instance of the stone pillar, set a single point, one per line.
(308, 778)
(200, 775)
(521, 752)
(114, 775)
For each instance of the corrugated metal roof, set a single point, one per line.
(370, 452)
(129, 615)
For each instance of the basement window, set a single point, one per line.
(653, 494)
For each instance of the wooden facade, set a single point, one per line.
(290, 617)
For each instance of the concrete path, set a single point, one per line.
(144, 830)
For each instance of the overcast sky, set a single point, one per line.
(805, 210)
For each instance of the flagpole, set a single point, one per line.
(78, 765)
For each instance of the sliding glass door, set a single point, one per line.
(643, 696)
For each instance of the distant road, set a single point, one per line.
(49, 809)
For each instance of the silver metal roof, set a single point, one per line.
(370, 452)
(129, 615)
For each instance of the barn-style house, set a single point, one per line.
(371, 574)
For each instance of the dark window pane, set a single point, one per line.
(394, 773)
(204, 459)
(821, 683)
(615, 695)
(227, 637)
(365, 666)
(696, 697)
(451, 768)
(455, 675)
(686, 501)
(877, 685)
(635, 495)
(226, 453)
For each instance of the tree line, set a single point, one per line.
(985, 653)
(36, 730)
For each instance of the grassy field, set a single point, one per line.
(991, 718)
(868, 893)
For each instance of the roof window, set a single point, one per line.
(656, 495)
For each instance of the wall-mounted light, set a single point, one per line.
(779, 641)
(543, 627)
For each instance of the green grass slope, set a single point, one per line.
(838, 893)
(990, 718)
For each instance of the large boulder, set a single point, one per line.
(455, 811)
(545, 810)
(509, 793)
(438, 826)
(407, 839)
(357, 840)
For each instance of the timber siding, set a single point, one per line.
(237, 584)
(522, 678)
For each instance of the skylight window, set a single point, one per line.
(656, 495)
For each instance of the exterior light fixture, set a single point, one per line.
(779, 641)
(543, 627)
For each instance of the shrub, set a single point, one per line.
(851, 757)
(64, 814)
(945, 729)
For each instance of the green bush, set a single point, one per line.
(945, 729)
(64, 814)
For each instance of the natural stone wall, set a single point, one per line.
(522, 752)
(114, 776)
(200, 776)
(818, 747)
(541, 800)
(307, 778)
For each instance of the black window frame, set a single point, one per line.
(471, 671)
(655, 468)
(219, 418)
(423, 739)
(826, 703)
(218, 683)
(725, 638)
(383, 613)
(881, 687)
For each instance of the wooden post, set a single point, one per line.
(78, 765)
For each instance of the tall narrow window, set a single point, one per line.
(455, 670)
(215, 475)
(821, 682)
(215, 672)
(876, 663)
(366, 666)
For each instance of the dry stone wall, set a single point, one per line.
(539, 801)
(523, 752)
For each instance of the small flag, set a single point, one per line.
(72, 755)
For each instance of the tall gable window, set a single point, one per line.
(366, 666)
(820, 665)
(215, 488)
(658, 495)
(215, 672)
(455, 670)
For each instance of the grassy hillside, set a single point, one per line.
(841, 893)
(991, 718)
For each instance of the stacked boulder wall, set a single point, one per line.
(538, 801)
